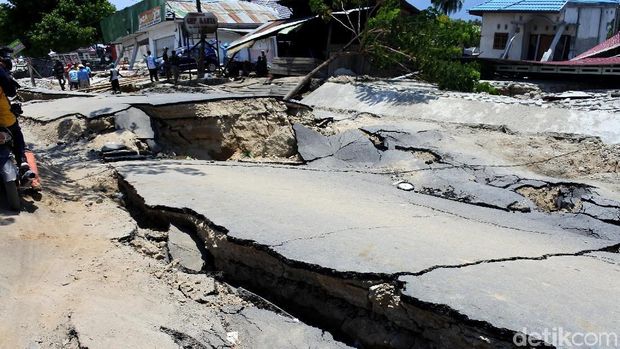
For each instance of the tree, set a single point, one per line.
(58, 25)
(18, 16)
(448, 6)
(72, 24)
(428, 42)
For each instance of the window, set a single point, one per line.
(500, 40)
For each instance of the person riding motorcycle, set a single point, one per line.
(8, 119)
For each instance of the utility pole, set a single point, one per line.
(201, 56)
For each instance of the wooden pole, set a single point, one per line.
(201, 56)
(31, 71)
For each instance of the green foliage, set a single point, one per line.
(447, 6)
(486, 87)
(429, 42)
(58, 25)
(453, 75)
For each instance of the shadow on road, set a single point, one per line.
(373, 95)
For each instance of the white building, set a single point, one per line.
(155, 24)
(544, 30)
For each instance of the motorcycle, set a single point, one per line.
(10, 173)
(8, 170)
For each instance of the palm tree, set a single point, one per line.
(448, 6)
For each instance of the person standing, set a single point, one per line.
(83, 77)
(90, 72)
(114, 75)
(59, 73)
(151, 64)
(261, 65)
(174, 66)
(8, 119)
(74, 78)
(166, 59)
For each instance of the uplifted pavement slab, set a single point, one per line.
(348, 222)
(136, 121)
(562, 294)
(403, 101)
(356, 241)
(38, 93)
(184, 249)
(101, 106)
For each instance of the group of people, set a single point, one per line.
(78, 75)
(170, 62)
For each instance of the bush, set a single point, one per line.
(453, 75)
(486, 87)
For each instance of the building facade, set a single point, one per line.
(156, 24)
(544, 30)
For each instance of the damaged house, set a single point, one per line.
(155, 24)
(304, 42)
(544, 30)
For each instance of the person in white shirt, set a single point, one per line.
(151, 64)
(114, 75)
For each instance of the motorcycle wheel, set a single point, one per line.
(211, 67)
(12, 195)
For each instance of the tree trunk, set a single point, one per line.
(292, 93)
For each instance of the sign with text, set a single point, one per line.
(149, 17)
(17, 46)
(200, 23)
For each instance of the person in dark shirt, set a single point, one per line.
(59, 73)
(174, 66)
(166, 59)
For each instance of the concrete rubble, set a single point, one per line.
(384, 214)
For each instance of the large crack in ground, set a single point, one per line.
(365, 310)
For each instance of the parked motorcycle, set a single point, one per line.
(9, 172)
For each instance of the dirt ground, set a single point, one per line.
(70, 277)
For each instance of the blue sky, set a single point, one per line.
(421, 4)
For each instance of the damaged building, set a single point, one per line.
(155, 24)
(544, 30)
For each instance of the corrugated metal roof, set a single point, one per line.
(226, 11)
(283, 11)
(519, 6)
(604, 46)
(532, 5)
(266, 30)
(586, 62)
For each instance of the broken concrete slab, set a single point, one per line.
(338, 250)
(373, 236)
(136, 121)
(197, 287)
(183, 248)
(573, 294)
(394, 100)
(311, 145)
(270, 332)
(352, 146)
(34, 93)
(101, 106)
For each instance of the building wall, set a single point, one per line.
(495, 23)
(587, 27)
(592, 25)
(167, 33)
